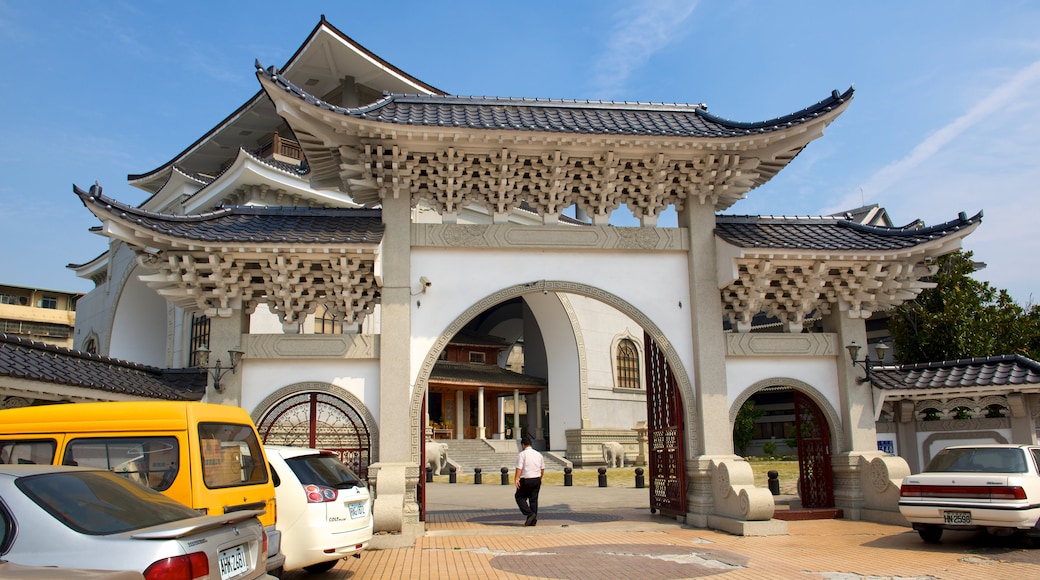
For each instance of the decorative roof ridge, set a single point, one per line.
(204, 180)
(95, 196)
(288, 168)
(1016, 358)
(961, 220)
(47, 347)
(274, 75)
(750, 219)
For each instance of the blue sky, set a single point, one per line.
(946, 116)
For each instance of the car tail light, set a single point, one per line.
(320, 493)
(1003, 492)
(263, 543)
(189, 567)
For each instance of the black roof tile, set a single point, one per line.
(252, 224)
(559, 116)
(834, 233)
(36, 361)
(975, 372)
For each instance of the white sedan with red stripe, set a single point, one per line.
(975, 487)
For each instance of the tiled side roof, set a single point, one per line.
(252, 224)
(828, 233)
(975, 372)
(560, 116)
(36, 361)
(481, 374)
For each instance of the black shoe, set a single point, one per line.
(531, 519)
(534, 520)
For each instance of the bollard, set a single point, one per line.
(602, 477)
(429, 474)
(774, 482)
(505, 476)
(451, 474)
(640, 480)
(478, 477)
(568, 477)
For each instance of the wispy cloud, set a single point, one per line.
(898, 171)
(640, 30)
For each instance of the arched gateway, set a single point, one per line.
(395, 209)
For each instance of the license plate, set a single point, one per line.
(232, 562)
(357, 510)
(957, 518)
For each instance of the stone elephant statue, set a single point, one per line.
(613, 454)
(436, 456)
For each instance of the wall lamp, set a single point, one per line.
(202, 361)
(880, 349)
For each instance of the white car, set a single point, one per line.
(75, 517)
(975, 487)
(324, 509)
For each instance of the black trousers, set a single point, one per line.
(527, 495)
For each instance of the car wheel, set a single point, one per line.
(931, 534)
(322, 567)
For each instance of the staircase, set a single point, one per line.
(467, 454)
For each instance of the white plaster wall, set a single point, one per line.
(261, 378)
(653, 283)
(818, 372)
(139, 326)
(937, 444)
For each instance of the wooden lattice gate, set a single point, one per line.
(815, 476)
(664, 412)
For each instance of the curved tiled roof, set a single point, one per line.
(976, 372)
(481, 375)
(829, 233)
(21, 358)
(250, 224)
(560, 116)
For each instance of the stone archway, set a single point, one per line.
(518, 290)
(320, 415)
(818, 434)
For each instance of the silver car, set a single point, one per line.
(86, 518)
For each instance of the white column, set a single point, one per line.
(460, 415)
(516, 413)
(480, 414)
(502, 416)
(539, 432)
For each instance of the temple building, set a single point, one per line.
(364, 262)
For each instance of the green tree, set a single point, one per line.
(744, 426)
(962, 318)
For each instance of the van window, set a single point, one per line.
(231, 455)
(38, 451)
(150, 461)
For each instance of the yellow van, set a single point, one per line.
(204, 455)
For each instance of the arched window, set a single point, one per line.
(327, 323)
(627, 365)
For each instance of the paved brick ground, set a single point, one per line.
(586, 541)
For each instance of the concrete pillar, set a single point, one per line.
(1023, 430)
(539, 420)
(856, 399)
(396, 508)
(502, 416)
(481, 428)
(226, 333)
(709, 343)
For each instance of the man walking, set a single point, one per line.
(529, 470)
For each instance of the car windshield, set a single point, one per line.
(101, 502)
(978, 460)
(323, 470)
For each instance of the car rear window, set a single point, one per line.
(231, 455)
(978, 460)
(150, 461)
(101, 502)
(323, 470)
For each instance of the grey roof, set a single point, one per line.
(251, 224)
(561, 116)
(22, 358)
(990, 371)
(829, 233)
(481, 375)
